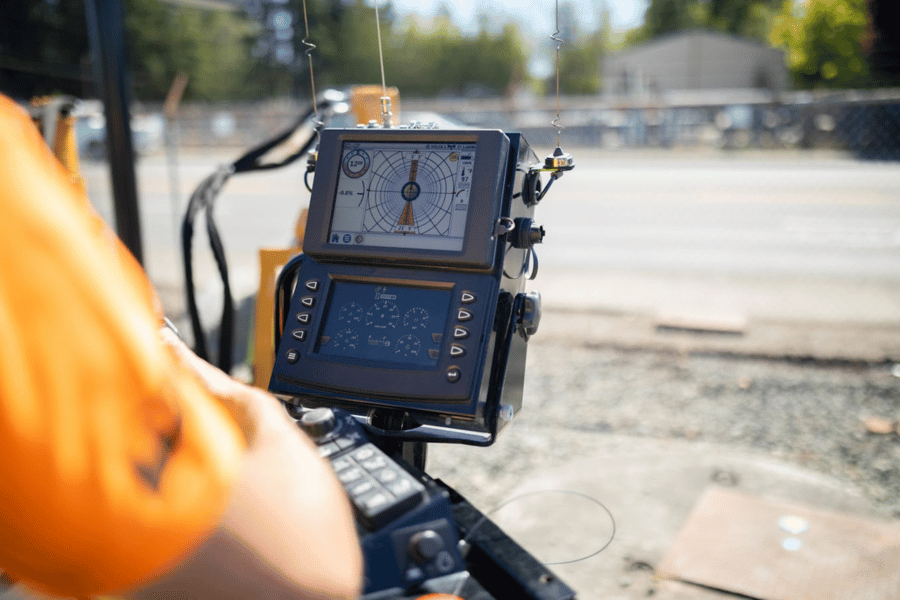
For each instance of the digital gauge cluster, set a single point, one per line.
(386, 323)
(403, 195)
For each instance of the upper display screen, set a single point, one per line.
(403, 195)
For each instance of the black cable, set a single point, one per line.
(226, 328)
(284, 288)
(521, 238)
(204, 198)
(187, 234)
(198, 201)
(248, 162)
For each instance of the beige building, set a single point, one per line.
(694, 60)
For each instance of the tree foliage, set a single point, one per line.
(745, 18)
(824, 40)
(211, 47)
(228, 55)
(43, 47)
(421, 61)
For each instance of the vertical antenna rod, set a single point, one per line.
(309, 51)
(385, 99)
(559, 42)
(558, 161)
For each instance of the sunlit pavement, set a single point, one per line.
(780, 252)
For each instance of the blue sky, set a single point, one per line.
(533, 15)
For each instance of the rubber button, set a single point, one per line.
(308, 301)
(299, 335)
(293, 355)
(304, 318)
(312, 285)
(460, 333)
(457, 350)
(453, 375)
(468, 298)
(463, 315)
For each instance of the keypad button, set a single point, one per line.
(344, 443)
(376, 501)
(361, 488)
(364, 453)
(326, 450)
(339, 464)
(313, 285)
(308, 301)
(374, 463)
(299, 334)
(293, 355)
(350, 475)
(453, 375)
(463, 315)
(460, 333)
(386, 476)
(457, 350)
(400, 488)
(468, 298)
(304, 318)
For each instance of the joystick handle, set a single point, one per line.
(318, 422)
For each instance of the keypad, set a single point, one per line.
(378, 488)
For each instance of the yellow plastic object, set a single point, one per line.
(366, 103)
(66, 150)
(270, 262)
(63, 143)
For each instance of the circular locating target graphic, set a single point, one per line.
(411, 192)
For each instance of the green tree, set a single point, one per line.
(211, 47)
(442, 60)
(579, 65)
(43, 48)
(746, 18)
(823, 40)
(580, 54)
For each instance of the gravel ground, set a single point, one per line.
(808, 413)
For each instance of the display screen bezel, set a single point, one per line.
(479, 243)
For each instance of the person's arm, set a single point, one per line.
(122, 468)
(288, 530)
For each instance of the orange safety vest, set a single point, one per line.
(114, 461)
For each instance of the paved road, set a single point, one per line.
(691, 236)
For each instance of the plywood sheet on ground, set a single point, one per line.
(776, 550)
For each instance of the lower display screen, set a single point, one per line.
(385, 323)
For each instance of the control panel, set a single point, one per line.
(404, 519)
(409, 304)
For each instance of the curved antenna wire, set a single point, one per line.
(310, 47)
(486, 517)
(559, 42)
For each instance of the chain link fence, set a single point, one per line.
(865, 123)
